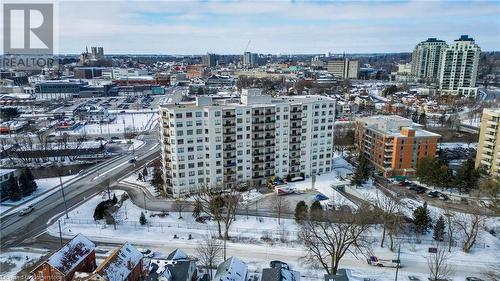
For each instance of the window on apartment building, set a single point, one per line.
(218, 147)
(182, 166)
(200, 180)
(200, 164)
(180, 150)
(198, 114)
(191, 165)
(199, 122)
(181, 141)
(218, 155)
(217, 113)
(191, 149)
(218, 171)
(189, 114)
(190, 157)
(179, 124)
(178, 115)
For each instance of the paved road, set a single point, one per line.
(16, 229)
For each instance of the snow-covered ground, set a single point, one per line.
(327, 182)
(145, 182)
(454, 145)
(249, 233)
(14, 262)
(130, 122)
(45, 187)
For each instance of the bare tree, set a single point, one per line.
(211, 203)
(220, 206)
(209, 253)
(328, 239)
(439, 267)
(280, 205)
(179, 207)
(390, 210)
(231, 202)
(469, 225)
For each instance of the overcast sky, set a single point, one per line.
(224, 27)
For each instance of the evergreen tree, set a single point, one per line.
(142, 219)
(157, 180)
(114, 200)
(15, 191)
(421, 219)
(24, 184)
(145, 172)
(414, 116)
(439, 229)
(362, 173)
(315, 210)
(300, 211)
(139, 177)
(29, 182)
(422, 119)
(467, 177)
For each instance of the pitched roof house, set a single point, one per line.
(176, 267)
(279, 271)
(232, 269)
(125, 263)
(76, 255)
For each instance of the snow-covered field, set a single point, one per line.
(14, 262)
(45, 187)
(137, 122)
(249, 235)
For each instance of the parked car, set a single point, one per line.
(473, 279)
(26, 210)
(433, 194)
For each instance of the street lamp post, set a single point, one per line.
(64, 196)
(144, 193)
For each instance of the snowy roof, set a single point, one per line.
(71, 254)
(232, 269)
(177, 255)
(120, 263)
(280, 274)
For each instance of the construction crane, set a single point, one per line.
(248, 44)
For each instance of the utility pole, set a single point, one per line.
(64, 197)
(399, 261)
(60, 233)
(144, 193)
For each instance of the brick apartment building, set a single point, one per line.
(394, 144)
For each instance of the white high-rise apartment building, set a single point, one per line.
(488, 148)
(426, 59)
(459, 65)
(226, 141)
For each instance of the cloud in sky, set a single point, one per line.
(195, 27)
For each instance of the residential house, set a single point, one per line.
(279, 271)
(232, 269)
(176, 267)
(124, 264)
(76, 255)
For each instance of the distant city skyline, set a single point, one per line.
(197, 27)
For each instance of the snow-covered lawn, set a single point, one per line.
(145, 182)
(45, 187)
(129, 121)
(327, 182)
(13, 262)
(251, 234)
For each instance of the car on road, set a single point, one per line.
(26, 210)
(473, 279)
(132, 160)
